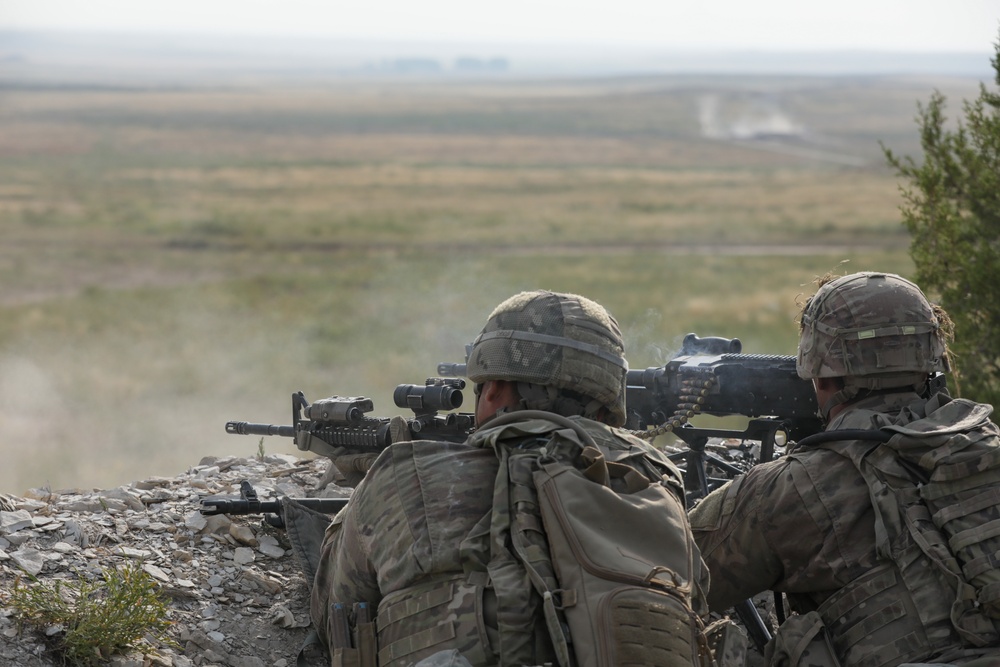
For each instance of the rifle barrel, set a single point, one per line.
(250, 428)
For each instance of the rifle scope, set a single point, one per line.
(436, 394)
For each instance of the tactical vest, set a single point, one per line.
(934, 484)
(589, 536)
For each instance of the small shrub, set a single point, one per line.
(98, 618)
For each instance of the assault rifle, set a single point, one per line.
(249, 503)
(339, 421)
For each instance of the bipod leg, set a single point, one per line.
(694, 473)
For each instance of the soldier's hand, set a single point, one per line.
(353, 466)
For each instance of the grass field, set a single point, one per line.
(173, 259)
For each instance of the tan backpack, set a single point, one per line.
(589, 534)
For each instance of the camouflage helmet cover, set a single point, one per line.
(553, 339)
(875, 325)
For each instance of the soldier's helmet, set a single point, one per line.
(877, 329)
(556, 340)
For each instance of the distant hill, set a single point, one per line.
(96, 57)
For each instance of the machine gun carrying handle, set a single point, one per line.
(709, 345)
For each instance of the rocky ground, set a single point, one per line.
(237, 596)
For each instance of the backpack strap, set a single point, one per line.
(868, 435)
(520, 570)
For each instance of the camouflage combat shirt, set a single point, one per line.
(401, 532)
(803, 524)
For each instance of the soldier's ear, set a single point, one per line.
(500, 392)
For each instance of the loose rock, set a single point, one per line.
(236, 596)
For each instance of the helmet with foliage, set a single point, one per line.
(875, 330)
(564, 343)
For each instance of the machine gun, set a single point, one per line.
(249, 503)
(339, 421)
(711, 376)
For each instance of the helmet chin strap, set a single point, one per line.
(848, 393)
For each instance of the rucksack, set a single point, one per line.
(589, 543)
(938, 476)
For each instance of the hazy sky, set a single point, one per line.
(889, 25)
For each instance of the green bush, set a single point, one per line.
(952, 209)
(98, 617)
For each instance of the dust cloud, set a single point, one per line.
(756, 117)
(135, 400)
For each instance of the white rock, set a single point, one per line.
(122, 495)
(11, 522)
(269, 547)
(28, 559)
(196, 521)
(243, 555)
(129, 552)
(155, 572)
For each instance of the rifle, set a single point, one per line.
(339, 421)
(249, 503)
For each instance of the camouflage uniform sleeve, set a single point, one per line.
(728, 528)
(345, 573)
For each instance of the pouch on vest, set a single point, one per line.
(728, 642)
(352, 636)
(801, 640)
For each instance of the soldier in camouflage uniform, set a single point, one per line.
(868, 586)
(411, 541)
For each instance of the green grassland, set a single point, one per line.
(172, 259)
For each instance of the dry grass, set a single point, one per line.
(176, 259)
